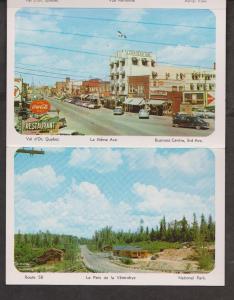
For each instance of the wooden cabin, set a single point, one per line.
(50, 256)
(107, 248)
(130, 251)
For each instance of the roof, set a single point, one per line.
(50, 254)
(156, 102)
(128, 248)
(134, 101)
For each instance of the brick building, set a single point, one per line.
(96, 86)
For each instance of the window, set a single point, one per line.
(144, 62)
(140, 89)
(154, 74)
(181, 88)
(152, 63)
(134, 61)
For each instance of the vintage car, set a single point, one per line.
(189, 122)
(118, 111)
(143, 114)
(204, 114)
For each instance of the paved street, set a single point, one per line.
(99, 262)
(103, 122)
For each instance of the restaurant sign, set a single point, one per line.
(41, 125)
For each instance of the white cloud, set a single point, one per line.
(100, 160)
(186, 55)
(191, 162)
(173, 205)
(131, 15)
(42, 177)
(82, 210)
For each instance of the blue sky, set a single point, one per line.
(77, 190)
(131, 22)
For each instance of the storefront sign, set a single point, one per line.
(40, 107)
(158, 92)
(17, 89)
(138, 53)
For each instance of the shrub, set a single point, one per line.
(126, 260)
(206, 262)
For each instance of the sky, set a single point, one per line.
(190, 41)
(79, 190)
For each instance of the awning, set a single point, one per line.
(135, 101)
(127, 101)
(156, 102)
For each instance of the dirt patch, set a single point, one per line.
(177, 254)
(169, 260)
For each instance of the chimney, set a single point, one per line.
(214, 66)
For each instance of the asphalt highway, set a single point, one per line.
(99, 262)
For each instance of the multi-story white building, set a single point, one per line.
(128, 63)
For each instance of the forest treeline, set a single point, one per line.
(30, 245)
(175, 231)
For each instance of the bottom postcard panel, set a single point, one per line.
(112, 216)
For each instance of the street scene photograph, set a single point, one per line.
(115, 72)
(116, 210)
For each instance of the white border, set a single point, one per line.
(214, 278)
(215, 140)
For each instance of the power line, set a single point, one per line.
(109, 38)
(52, 67)
(39, 75)
(117, 21)
(98, 54)
(49, 72)
(63, 49)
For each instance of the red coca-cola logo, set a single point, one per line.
(40, 107)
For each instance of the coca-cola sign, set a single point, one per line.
(40, 107)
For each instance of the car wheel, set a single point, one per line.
(176, 125)
(198, 127)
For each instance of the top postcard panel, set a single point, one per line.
(110, 74)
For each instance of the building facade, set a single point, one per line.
(136, 74)
(127, 63)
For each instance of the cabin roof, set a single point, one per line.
(127, 248)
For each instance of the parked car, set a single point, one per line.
(190, 122)
(205, 114)
(143, 114)
(118, 111)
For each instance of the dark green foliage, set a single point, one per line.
(174, 232)
(126, 260)
(29, 246)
